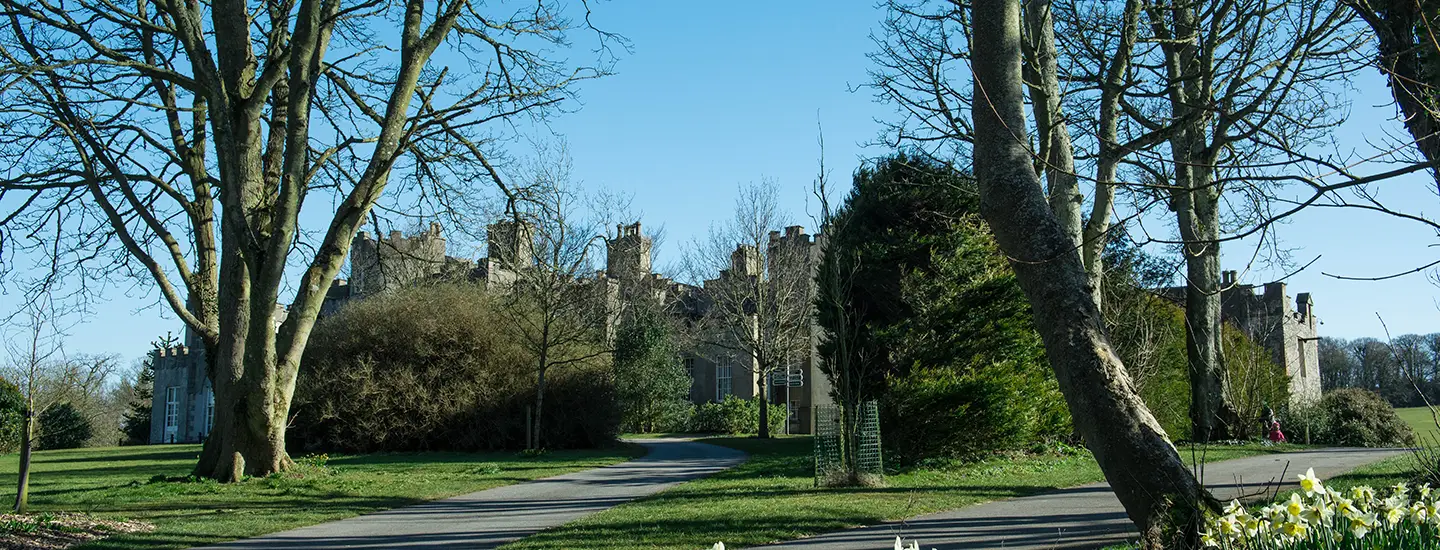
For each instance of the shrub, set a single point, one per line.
(63, 427)
(735, 416)
(12, 417)
(652, 385)
(1358, 418)
(950, 413)
(432, 368)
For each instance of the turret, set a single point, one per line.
(627, 256)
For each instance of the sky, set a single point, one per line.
(713, 98)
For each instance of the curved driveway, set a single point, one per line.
(492, 517)
(1084, 517)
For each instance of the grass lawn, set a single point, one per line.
(771, 497)
(117, 483)
(1421, 421)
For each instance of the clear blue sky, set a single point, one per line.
(716, 96)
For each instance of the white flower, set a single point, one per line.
(1294, 506)
(1360, 525)
(718, 546)
(1311, 484)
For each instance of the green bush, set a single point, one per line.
(653, 388)
(432, 368)
(952, 413)
(735, 416)
(63, 427)
(12, 416)
(1349, 417)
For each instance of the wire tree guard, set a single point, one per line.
(852, 460)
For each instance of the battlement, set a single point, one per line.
(172, 351)
(627, 256)
(378, 264)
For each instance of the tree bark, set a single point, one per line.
(764, 402)
(1055, 148)
(27, 447)
(1211, 413)
(1097, 227)
(1409, 65)
(1143, 467)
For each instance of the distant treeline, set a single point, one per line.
(1405, 370)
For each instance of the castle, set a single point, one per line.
(1269, 319)
(183, 406)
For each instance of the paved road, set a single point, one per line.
(496, 516)
(1082, 517)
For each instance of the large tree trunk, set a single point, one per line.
(27, 448)
(1143, 467)
(1212, 415)
(1407, 55)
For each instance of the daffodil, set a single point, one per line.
(1294, 506)
(1317, 512)
(1228, 526)
(1394, 515)
(721, 546)
(1253, 527)
(1346, 507)
(1310, 484)
(1207, 539)
(1360, 525)
(1234, 507)
(1293, 529)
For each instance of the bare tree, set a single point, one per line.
(177, 142)
(759, 308)
(549, 249)
(47, 378)
(1242, 87)
(1137, 458)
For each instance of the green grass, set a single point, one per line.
(117, 483)
(771, 497)
(1421, 421)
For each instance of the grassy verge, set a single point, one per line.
(1420, 420)
(771, 497)
(122, 483)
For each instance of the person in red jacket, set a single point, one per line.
(1275, 434)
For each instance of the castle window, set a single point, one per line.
(210, 413)
(724, 377)
(1303, 370)
(690, 367)
(172, 412)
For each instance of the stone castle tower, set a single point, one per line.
(627, 256)
(380, 264)
(1289, 333)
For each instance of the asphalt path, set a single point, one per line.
(490, 518)
(1082, 517)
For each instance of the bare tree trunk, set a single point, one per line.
(27, 447)
(1212, 415)
(764, 386)
(1097, 227)
(1132, 449)
(539, 406)
(1055, 148)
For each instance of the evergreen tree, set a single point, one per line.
(652, 385)
(64, 427)
(136, 423)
